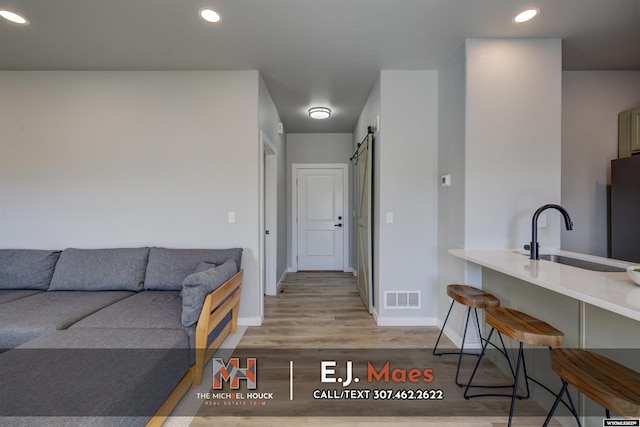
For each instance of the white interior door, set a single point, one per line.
(321, 219)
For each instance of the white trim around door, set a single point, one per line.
(268, 215)
(345, 221)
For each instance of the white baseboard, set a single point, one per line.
(406, 321)
(279, 284)
(250, 321)
(456, 338)
(346, 270)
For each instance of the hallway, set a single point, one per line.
(323, 310)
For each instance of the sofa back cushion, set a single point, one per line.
(120, 269)
(26, 268)
(167, 268)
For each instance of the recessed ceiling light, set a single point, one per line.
(526, 15)
(13, 17)
(210, 15)
(319, 113)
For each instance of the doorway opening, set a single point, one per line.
(268, 215)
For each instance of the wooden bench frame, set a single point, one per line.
(218, 304)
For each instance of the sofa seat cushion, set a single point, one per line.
(120, 269)
(144, 310)
(167, 268)
(26, 268)
(28, 318)
(8, 295)
(88, 373)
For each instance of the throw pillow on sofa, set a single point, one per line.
(203, 266)
(200, 268)
(197, 286)
(168, 267)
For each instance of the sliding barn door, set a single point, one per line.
(365, 219)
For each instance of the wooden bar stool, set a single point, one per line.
(522, 328)
(473, 298)
(608, 383)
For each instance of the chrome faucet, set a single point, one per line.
(535, 247)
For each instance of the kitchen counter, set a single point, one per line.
(598, 311)
(614, 292)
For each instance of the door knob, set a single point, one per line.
(338, 225)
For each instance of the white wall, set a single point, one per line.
(117, 159)
(500, 138)
(591, 101)
(319, 147)
(315, 148)
(405, 184)
(269, 120)
(513, 136)
(368, 117)
(451, 200)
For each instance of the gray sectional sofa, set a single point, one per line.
(110, 336)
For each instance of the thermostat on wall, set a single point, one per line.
(445, 180)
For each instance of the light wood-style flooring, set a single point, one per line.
(318, 310)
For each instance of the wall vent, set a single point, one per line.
(398, 300)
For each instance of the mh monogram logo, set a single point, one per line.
(233, 373)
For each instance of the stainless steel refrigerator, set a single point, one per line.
(625, 209)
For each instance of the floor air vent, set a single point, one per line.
(402, 299)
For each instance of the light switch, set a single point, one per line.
(231, 217)
(389, 217)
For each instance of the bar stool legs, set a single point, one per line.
(572, 408)
(514, 374)
(524, 329)
(464, 338)
(472, 298)
(515, 383)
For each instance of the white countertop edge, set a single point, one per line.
(609, 291)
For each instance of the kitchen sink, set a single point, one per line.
(580, 263)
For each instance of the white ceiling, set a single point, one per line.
(310, 52)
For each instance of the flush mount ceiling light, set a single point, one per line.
(319, 113)
(210, 15)
(13, 17)
(526, 15)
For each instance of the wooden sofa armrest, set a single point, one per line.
(216, 306)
